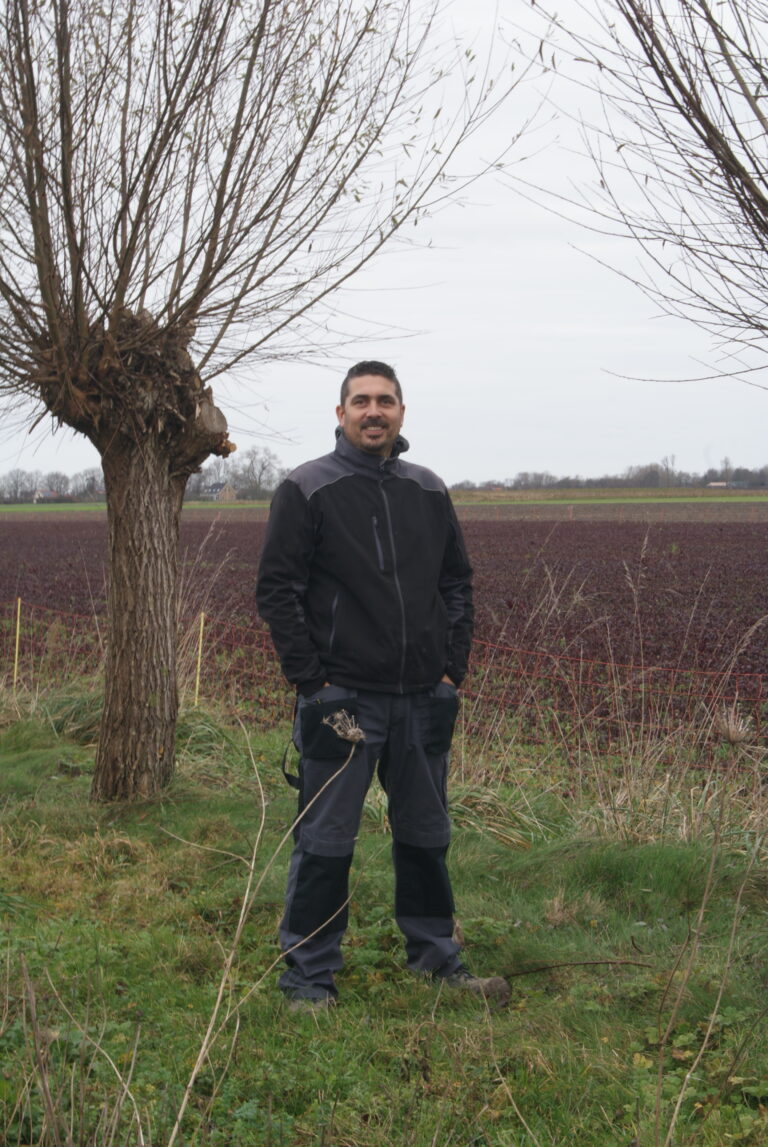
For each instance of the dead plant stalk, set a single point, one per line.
(250, 892)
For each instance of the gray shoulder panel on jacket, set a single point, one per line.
(427, 479)
(311, 476)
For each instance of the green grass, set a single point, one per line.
(626, 970)
(554, 497)
(611, 494)
(76, 507)
(568, 499)
(49, 507)
(238, 504)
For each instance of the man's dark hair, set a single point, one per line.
(380, 369)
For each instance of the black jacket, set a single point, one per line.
(364, 579)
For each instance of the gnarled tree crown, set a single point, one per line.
(182, 182)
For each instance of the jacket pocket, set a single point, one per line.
(443, 711)
(314, 738)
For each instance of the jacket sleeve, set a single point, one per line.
(456, 592)
(282, 586)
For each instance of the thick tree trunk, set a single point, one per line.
(133, 390)
(138, 729)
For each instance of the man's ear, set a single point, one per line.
(340, 414)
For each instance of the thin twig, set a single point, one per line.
(578, 964)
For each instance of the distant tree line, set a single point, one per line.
(35, 486)
(255, 474)
(654, 475)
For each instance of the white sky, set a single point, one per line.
(517, 341)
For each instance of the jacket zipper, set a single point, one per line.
(377, 542)
(401, 600)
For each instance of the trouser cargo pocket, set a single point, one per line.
(443, 711)
(314, 737)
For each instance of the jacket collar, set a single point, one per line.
(370, 464)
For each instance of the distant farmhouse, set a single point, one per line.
(43, 496)
(218, 492)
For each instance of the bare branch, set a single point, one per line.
(680, 150)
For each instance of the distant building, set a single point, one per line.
(51, 496)
(218, 492)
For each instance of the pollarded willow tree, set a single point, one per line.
(181, 182)
(680, 141)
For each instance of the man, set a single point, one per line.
(366, 587)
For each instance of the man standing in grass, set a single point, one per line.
(366, 587)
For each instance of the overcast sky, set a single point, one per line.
(516, 351)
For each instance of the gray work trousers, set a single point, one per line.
(408, 736)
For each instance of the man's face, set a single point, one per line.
(372, 414)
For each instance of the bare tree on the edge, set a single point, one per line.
(179, 182)
(681, 152)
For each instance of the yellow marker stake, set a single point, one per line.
(18, 637)
(199, 659)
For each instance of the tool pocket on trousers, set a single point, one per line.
(443, 711)
(315, 737)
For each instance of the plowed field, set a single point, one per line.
(678, 593)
